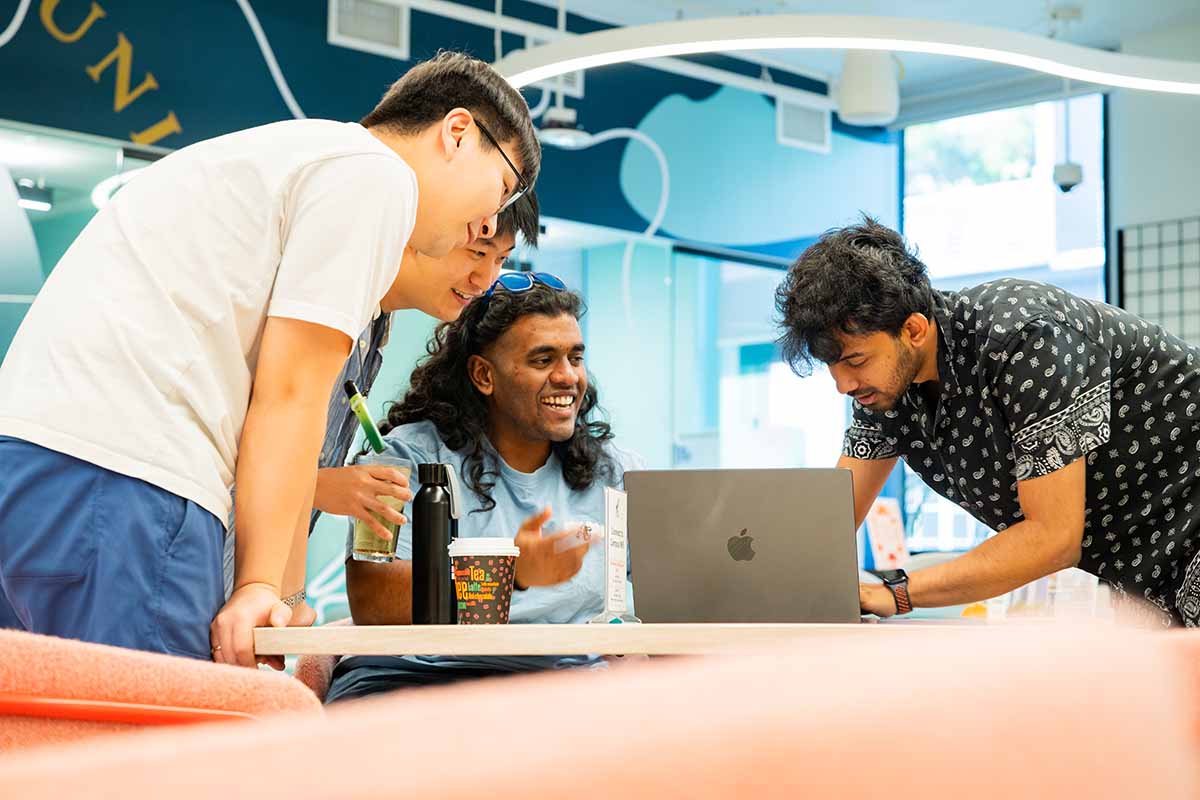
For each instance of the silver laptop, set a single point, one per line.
(753, 545)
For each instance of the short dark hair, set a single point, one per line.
(521, 217)
(430, 90)
(857, 280)
(440, 391)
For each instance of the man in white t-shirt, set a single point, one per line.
(191, 335)
(441, 288)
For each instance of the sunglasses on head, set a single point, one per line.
(518, 282)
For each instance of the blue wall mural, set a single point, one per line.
(722, 190)
(174, 73)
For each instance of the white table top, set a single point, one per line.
(530, 640)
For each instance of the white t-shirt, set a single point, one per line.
(139, 352)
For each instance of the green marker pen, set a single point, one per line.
(359, 406)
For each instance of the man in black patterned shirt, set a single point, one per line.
(1066, 425)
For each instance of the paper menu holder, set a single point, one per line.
(616, 555)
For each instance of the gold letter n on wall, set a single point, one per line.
(47, 14)
(123, 55)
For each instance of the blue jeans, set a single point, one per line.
(363, 676)
(86, 553)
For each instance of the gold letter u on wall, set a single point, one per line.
(47, 14)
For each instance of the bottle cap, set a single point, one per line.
(431, 474)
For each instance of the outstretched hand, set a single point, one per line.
(540, 562)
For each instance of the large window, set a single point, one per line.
(737, 405)
(682, 348)
(980, 203)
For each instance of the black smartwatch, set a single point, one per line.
(896, 580)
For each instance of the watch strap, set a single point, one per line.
(900, 593)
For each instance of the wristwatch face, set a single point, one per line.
(891, 576)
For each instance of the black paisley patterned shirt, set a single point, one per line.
(1034, 378)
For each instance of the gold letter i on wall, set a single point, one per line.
(164, 127)
(47, 14)
(123, 55)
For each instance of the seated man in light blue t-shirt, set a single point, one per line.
(504, 397)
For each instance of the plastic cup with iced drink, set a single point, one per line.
(368, 545)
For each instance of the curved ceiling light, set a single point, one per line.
(805, 32)
(104, 190)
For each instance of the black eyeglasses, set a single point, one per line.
(518, 282)
(522, 184)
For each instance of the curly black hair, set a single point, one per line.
(858, 280)
(441, 391)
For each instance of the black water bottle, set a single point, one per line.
(434, 526)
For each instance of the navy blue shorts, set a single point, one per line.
(86, 553)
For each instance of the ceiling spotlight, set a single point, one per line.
(560, 129)
(868, 92)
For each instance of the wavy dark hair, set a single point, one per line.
(857, 280)
(441, 391)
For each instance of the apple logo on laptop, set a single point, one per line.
(741, 547)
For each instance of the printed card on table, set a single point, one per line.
(616, 555)
(616, 510)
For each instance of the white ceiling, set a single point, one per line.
(1105, 24)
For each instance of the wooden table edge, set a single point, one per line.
(529, 640)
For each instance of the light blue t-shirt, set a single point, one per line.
(519, 496)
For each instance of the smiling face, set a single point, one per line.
(534, 378)
(442, 287)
